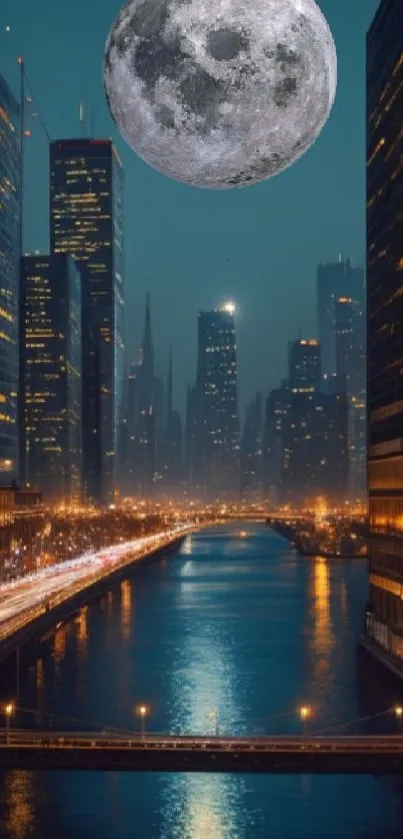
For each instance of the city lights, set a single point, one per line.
(142, 711)
(229, 307)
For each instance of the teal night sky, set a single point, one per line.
(193, 248)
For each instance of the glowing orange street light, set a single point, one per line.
(142, 711)
(8, 711)
(398, 711)
(304, 713)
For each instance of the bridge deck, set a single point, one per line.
(168, 753)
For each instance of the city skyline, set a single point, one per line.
(247, 257)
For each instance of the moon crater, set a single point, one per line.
(222, 94)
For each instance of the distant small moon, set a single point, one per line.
(220, 93)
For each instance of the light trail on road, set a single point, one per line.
(23, 600)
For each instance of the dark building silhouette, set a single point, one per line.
(129, 441)
(143, 394)
(86, 221)
(172, 438)
(278, 406)
(384, 325)
(305, 435)
(251, 450)
(217, 380)
(315, 452)
(195, 442)
(146, 427)
(350, 345)
(351, 379)
(10, 253)
(334, 280)
(50, 346)
(304, 365)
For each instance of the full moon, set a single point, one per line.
(220, 93)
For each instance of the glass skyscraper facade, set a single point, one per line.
(10, 248)
(86, 221)
(50, 305)
(384, 623)
(217, 380)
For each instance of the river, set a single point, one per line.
(232, 632)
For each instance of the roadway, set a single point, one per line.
(46, 750)
(26, 599)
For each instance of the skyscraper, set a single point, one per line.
(217, 378)
(10, 252)
(86, 221)
(278, 406)
(314, 440)
(172, 436)
(195, 442)
(351, 380)
(304, 365)
(251, 449)
(385, 334)
(146, 417)
(350, 345)
(50, 346)
(334, 280)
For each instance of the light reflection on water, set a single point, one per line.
(231, 634)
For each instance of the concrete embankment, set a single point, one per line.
(72, 603)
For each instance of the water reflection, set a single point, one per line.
(126, 609)
(247, 633)
(322, 639)
(59, 650)
(19, 797)
(199, 807)
(203, 690)
(82, 635)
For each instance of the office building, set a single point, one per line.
(10, 253)
(217, 379)
(50, 345)
(304, 365)
(86, 221)
(334, 280)
(385, 335)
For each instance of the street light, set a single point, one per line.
(304, 713)
(142, 711)
(398, 709)
(8, 711)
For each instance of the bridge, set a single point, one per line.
(133, 752)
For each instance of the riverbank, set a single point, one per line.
(66, 604)
(310, 541)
